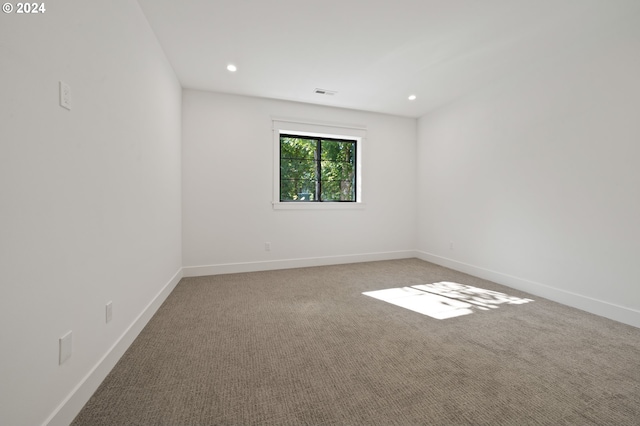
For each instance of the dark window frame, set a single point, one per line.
(318, 160)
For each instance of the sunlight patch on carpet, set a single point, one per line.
(445, 299)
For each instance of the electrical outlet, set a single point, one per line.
(65, 95)
(109, 311)
(450, 245)
(267, 246)
(65, 347)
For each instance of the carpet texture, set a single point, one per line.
(306, 347)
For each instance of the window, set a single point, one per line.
(317, 166)
(316, 169)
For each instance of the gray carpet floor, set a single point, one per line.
(306, 347)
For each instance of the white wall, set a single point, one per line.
(535, 179)
(89, 198)
(228, 186)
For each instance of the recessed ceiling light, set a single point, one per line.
(412, 97)
(232, 68)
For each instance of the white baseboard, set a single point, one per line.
(71, 406)
(269, 265)
(598, 307)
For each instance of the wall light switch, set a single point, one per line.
(109, 311)
(65, 95)
(65, 347)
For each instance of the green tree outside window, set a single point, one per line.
(317, 169)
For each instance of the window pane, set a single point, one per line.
(330, 190)
(297, 190)
(297, 148)
(298, 169)
(338, 170)
(338, 151)
(338, 190)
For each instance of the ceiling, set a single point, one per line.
(373, 53)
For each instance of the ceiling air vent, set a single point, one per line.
(325, 92)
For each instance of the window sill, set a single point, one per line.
(317, 206)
